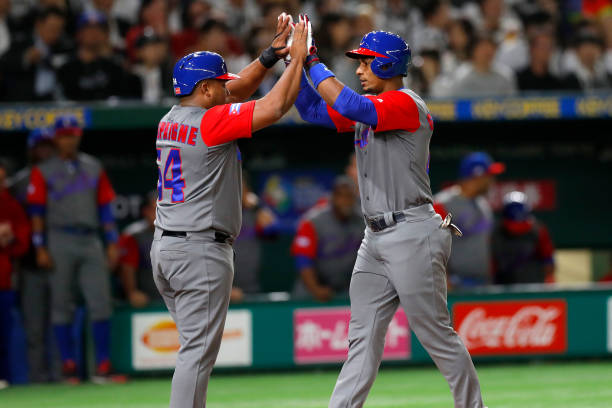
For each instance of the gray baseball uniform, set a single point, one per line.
(329, 245)
(470, 262)
(74, 192)
(402, 260)
(198, 216)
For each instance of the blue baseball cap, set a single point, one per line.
(89, 18)
(67, 124)
(479, 163)
(516, 206)
(39, 135)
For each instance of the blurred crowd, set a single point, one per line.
(100, 49)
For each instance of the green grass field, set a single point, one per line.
(544, 385)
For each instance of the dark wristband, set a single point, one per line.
(311, 61)
(268, 57)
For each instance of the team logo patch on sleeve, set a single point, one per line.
(234, 108)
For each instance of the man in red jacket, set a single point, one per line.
(14, 242)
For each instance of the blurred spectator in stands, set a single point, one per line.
(215, 36)
(14, 243)
(537, 75)
(589, 65)
(195, 15)
(154, 14)
(426, 76)
(240, 14)
(117, 26)
(153, 67)
(522, 248)
(496, 19)
(481, 76)
(364, 20)
(29, 65)
(7, 28)
(29, 20)
(432, 36)
(43, 364)
(258, 222)
(135, 270)
(336, 37)
(70, 200)
(326, 243)
(397, 18)
(460, 37)
(92, 73)
(470, 262)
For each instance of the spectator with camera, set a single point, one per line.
(29, 66)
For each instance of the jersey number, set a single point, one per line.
(176, 183)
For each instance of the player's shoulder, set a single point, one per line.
(403, 97)
(47, 165)
(449, 195)
(135, 228)
(89, 161)
(317, 214)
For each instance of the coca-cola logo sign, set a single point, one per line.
(512, 327)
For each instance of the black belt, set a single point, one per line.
(378, 222)
(220, 236)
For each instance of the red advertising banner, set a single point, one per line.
(321, 335)
(542, 194)
(512, 327)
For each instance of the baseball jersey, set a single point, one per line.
(329, 245)
(200, 181)
(521, 257)
(70, 192)
(471, 255)
(393, 157)
(135, 251)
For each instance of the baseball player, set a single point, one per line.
(69, 198)
(402, 259)
(199, 198)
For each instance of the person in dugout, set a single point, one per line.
(14, 243)
(326, 243)
(135, 270)
(522, 248)
(34, 282)
(69, 199)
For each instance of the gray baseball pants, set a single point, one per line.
(194, 276)
(404, 265)
(78, 263)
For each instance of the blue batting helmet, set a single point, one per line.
(67, 124)
(391, 53)
(195, 67)
(39, 135)
(478, 163)
(516, 206)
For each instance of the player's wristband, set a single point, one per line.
(318, 73)
(38, 239)
(111, 236)
(268, 57)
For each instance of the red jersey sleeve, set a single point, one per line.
(440, 209)
(225, 123)
(106, 194)
(396, 110)
(305, 241)
(545, 245)
(342, 123)
(37, 189)
(128, 251)
(21, 230)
